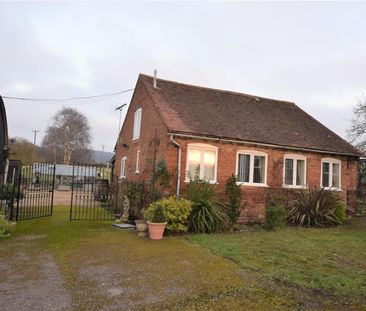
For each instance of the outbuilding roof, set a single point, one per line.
(202, 111)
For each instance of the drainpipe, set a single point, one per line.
(179, 162)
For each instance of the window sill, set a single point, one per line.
(252, 184)
(137, 172)
(212, 182)
(294, 187)
(332, 189)
(135, 139)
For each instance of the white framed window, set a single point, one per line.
(137, 124)
(137, 162)
(251, 168)
(202, 162)
(330, 174)
(294, 171)
(122, 173)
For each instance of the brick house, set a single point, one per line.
(266, 143)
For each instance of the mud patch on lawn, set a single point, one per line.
(30, 237)
(30, 278)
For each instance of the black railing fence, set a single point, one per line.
(356, 201)
(30, 194)
(91, 195)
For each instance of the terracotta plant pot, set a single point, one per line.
(141, 228)
(156, 230)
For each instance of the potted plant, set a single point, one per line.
(157, 223)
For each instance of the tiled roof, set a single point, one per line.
(228, 115)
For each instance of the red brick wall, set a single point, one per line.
(152, 141)
(254, 196)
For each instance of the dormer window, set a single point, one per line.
(137, 124)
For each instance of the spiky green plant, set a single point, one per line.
(208, 215)
(314, 208)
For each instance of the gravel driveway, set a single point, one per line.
(30, 278)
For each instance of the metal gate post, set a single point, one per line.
(53, 187)
(18, 196)
(72, 190)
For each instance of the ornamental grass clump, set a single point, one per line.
(314, 208)
(208, 215)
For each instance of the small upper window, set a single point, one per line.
(137, 162)
(137, 124)
(294, 171)
(122, 173)
(202, 162)
(331, 173)
(252, 168)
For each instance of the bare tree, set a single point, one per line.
(357, 132)
(68, 137)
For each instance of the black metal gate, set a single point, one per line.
(90, 193)
(30, 195)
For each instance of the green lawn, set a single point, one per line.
(93, 266)
(332, 261)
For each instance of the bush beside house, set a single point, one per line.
(176, 213)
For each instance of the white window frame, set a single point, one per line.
(331, 161)
(122, 173)
(137, 171)
(137, 124)
(202, 148)
(294, 157)
(252, 153)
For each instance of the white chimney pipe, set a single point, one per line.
(155, 78)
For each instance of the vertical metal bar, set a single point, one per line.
(97, 193)
(40, 208)
(34, 196)
(53, 186)
(79, 192)
(26, 192)
(72, 191)
(11, 203)
(18, 196)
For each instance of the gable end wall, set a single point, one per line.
(152, 141)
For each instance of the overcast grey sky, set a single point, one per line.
(311, 53)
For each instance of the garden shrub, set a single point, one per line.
(158, 215)
(314, 208)
(176, 213)
(10, 192)
(340, 212)
(275, 216)
(160, 174)
(5, 226)
(234, 195)
(207, 214)
(136, 194)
